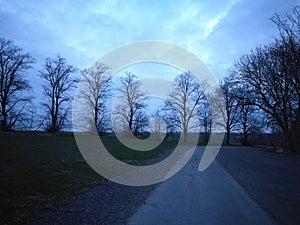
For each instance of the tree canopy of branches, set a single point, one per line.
(57, 75)
(230, 112)
(185, 98)
(205, 118)
(96, 92)
(273, 73)
(158, 125)
(131, 105)
(13, 86)
(251, 117)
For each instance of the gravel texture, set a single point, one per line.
(109, 204)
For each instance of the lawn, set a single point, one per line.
(41, 172)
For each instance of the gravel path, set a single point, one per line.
(108, 204)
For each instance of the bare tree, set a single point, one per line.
(97, 87)
(251, 118)
(205, 117)
(275, 93)
(288, 50)
(158, 127)
(230, 112)
(251, 121)
(131, 105)
(13, 86)
(31, 120)
(273, 74)
(186, 96)
(172, 119)
(141, 123)
(58, 84)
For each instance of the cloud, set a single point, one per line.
(211, 24)
(217, 31)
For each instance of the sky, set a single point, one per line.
(217, 31)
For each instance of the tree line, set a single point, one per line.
(262, 88)
(261, 94)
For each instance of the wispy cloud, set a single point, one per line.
(212, 24)
(82, 31)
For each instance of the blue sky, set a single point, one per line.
(217, 31)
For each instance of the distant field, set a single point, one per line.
(42, 172)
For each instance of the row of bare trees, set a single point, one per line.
(59, 80)
(261, 93)
(17, 109)
(262, 89)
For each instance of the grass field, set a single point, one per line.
(41, 172)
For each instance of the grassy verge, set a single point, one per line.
(42, 172)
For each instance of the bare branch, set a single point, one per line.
(13, 64)
(58, 82)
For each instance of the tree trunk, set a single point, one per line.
(3, 123)
(296, 132)
(3, 126)
(289, 141)
(185, 136)
(245, 139)
(227, 137)
(95, 127)
(131, 120)
(245, 135)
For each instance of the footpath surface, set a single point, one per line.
(190, 197)
(271, 179)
